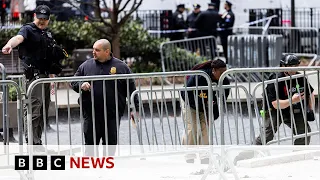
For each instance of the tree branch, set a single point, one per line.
(114, 5)
(119, 3)
(125, 5)
(134, 7)
(107, 8)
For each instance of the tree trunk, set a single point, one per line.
(116, 45)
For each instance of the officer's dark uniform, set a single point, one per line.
(284, 93)
(92, 67)
(36, 54)
(207, 22)
(206, 25)
(191, 19)
(204, 93)
(226, 24)
(178, 23)
(217, 3)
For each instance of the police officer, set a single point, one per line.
(103, 63)
(298, 93)
(226, 24)
(217, 3)
(288, 96)
(36, 46)
(207, 21)
(191, 20)
(178, 23)
(200, 103)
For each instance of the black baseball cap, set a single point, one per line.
(196, 6)
(212, 4)
(180, 6)
(43, 11)
(229, 3)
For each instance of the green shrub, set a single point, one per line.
(138, 44)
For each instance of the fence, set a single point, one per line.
(182, 55)
(12, 62)
(295, 39)
(6, 161)
(254, 50)
(304, 17)
(252, 89)
(238, 123)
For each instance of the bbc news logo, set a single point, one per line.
(59, 162)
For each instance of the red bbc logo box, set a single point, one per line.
(39, 162)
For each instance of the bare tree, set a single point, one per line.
(119, 11)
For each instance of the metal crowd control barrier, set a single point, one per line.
(117, 80)
(9, 150)
(283, 135)
(251, 85)
(4, 106)
(295, 39)
(182, 55)
(254, 51)
(175, 123)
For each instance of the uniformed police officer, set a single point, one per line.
(207, 21)
(206, 25)
(290, 97)
(178, 23)
(36, 46)
(298, 93)
(103, 63)
(226, 24)
(191, 20)
(217, 3)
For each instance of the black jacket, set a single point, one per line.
(207, 22)
(191, 82)
(92, 67)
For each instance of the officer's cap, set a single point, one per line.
(196, 6)
(180, 6)
(212, 4)
(229, 3)
(43, 11)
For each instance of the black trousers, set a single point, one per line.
(108, 136)
(224, 42)
(299, 129)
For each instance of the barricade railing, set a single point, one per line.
(282, 135)
(114, 82)
(254, 51)
(251, 85)
(176, 125)
(9, 150)
(182, 55)
(295, 39)
(4, 105)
